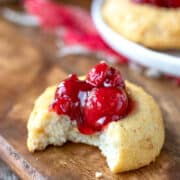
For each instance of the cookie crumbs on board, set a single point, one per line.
(98, 174)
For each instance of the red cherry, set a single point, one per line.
(65, 87)
(113, 79)
(172, 3)
(97, 74)
(104, 105)
(153, 2)
(161, 3)
(69, 96)
(104, 76)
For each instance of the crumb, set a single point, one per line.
(98, 174)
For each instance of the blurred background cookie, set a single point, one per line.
(151, 25)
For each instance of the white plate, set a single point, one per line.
(167, 62)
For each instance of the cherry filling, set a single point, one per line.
(93, 103)
(160, 3)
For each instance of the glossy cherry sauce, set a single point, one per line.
(160, 3)
(93, 103)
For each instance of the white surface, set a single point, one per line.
(168, 62)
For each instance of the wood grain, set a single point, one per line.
(27, 66)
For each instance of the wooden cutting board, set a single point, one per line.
(28, 64)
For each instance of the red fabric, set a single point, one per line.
(77, 26)
(76, 23)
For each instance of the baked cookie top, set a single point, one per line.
(151, 26)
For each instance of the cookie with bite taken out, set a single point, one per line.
(102, 110)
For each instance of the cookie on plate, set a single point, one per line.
(153, 25)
